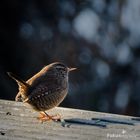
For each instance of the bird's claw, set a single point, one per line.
(45, 117)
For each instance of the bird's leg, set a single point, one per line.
(45, 117)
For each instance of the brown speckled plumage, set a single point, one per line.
(46, 89)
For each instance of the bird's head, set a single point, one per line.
(58, 68)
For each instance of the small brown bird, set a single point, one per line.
(45, 90)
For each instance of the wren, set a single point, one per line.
(45, 90)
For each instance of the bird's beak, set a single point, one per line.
(71, 69)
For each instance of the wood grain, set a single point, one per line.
(19, 122)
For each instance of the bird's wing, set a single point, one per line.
(43, 88)
(37, 91)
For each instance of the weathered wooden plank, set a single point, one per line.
(18, 122)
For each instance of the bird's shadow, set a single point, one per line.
(102, 122)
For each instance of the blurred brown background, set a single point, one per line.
(99, 37)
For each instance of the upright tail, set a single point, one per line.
(19, 81)
(23, 87)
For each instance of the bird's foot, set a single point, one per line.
(45, 117)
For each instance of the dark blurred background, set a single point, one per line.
(99, 37)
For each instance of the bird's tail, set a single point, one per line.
(23, 87)
(19, 81)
